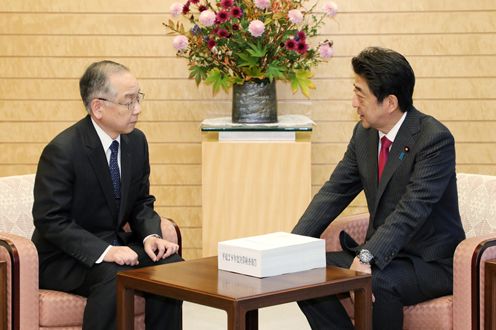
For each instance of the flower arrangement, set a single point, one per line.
(232, 41)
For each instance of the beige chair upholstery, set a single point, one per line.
(464, 309)
(28, 307)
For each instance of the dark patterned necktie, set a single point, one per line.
(383, 155)
(114, 169)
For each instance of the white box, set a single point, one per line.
(271, 254)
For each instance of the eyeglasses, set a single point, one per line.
(131, 105)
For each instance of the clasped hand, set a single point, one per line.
(156, 248)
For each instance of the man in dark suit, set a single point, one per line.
(92, 179)
(409, 182)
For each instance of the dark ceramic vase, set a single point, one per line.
(254, 102)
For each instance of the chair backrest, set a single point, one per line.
(16, 203)
(477, 202)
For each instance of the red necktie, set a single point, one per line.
(383, 155)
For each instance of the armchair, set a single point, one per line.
(464, 310)
(27, 306)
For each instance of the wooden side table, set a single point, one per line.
(490, 295)
(253, 187)
(199, 281)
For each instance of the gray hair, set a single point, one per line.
(95, 83)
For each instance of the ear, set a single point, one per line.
(97, 108)
(391, 103)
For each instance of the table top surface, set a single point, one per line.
(203, 276)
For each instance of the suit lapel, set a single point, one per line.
(126, 166)
(98, 161)
(403, 143)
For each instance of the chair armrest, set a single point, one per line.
(355, 225)
(172, 233)
(468, 280)
(21, 257)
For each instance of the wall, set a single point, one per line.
(46, 45)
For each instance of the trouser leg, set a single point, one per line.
(328, 312)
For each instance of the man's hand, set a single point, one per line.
(158, 248)
(122, 255)
(359, 267)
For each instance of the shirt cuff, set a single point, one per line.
(99, 261)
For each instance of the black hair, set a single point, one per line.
(387, 73)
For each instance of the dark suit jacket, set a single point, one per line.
(414, 210)
(75, 213)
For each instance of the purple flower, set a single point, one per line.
(180, 42)
(207, 18)
(256, 28)
(295, 16)
(301, 36)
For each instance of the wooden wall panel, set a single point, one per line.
(46, 45)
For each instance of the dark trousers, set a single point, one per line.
(393, 287)
(100, 289)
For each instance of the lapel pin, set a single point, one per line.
(403, 153)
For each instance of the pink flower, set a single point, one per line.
(326, 51)
(330, 8)
(262, 4)
(180, 42)
(222, 16)
(236, 12)
(226, 3)
(211, 43)
(176, 9)
(207, 18)
(290, 44)
(223, 33)
(295, 16)
(256, 28)
(301, 47)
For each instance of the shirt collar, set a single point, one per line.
(104, 137)
(391, 135)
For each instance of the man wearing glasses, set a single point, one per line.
(92, 179)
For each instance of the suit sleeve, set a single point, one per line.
(433, 169)
(53, 204)
(334, 196)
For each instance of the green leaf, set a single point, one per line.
(274, 71)
(301, 79)
(217, 79)
(247, 60)
(198, 72)
(256, 50)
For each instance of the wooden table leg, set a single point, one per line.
(252, 320)
(125, 307)
(490, 295)
(363, 309)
